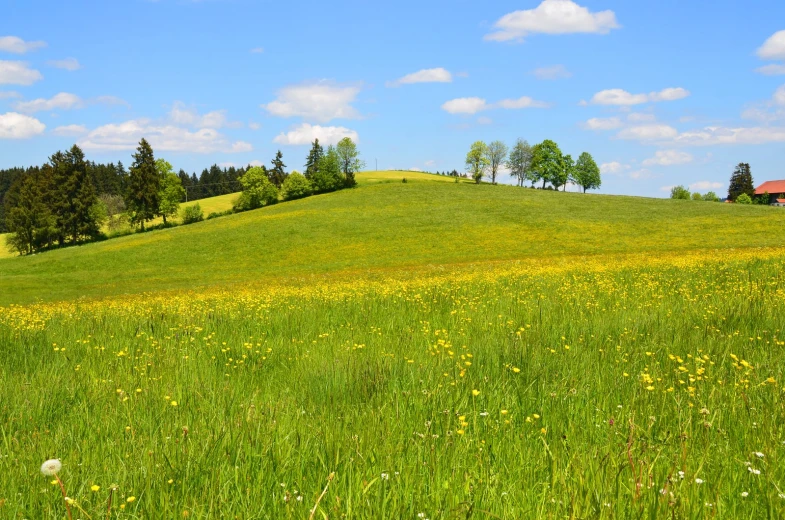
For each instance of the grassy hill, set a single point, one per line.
(385, 224)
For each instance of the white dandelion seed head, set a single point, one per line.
(51, 467)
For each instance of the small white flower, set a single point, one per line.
(484, 414)
(759, 454)
(699, 481)
(754, 471)
(681, 475)
(299, 498)
(663, 492)
(745, 494)
(420, 515)
(385, 476)
(51, 467)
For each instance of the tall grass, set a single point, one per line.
(612, 389)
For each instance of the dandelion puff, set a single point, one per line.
(51, 467)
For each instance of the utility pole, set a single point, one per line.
(377, 164)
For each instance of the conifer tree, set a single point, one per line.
(314, 156)
(144, 183)
(741, 182)
(73, 197)
(277, 173)
(28, 218)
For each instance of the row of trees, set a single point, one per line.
(683, 193)
(741, 189)
(543, 162)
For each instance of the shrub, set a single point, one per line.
(191, 214)
(711, 197)
(258, 191)
(296, 186)
(743, 199)
(680, 193)
(697, 196)
(216, 214)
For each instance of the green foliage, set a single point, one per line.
(171, 191)
(277, 174)
(547, 162)
(566, 173)
(296, 186)
(191, 214)
(28, 219)
(743, 199)
(477, 160)
(144, 184)
(496, 154)
(697, 196)
(258, 191)
(314, 158)
(741, 182)
(349, 160)
(520, 160)
(328, 176)
(711, 197)
(680, 193)
(586, 173)
(763, 200)
(72, 197)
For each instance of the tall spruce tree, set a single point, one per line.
(314, 156)
(73, 197)
(277, 173)
(27, 216)
(144, 183)
(741, 182)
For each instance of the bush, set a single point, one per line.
(191, 214)
(680, 193)
(296, 186)
(711, 197)
(258, 191)
(743, 199)
(216, 214)
(697, 196)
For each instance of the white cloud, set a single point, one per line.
(470, 105)
(110, 100)
(639, 117)
(705, 186)
(774, 47)
(254, 126)
(438, 75)
(256, 162)
(648, 133)
(621, 97)
(482, 120)
(714, 135)
(19, 126)
(322, 101)
(18, 73)
(552, 72)
(306, 133)
(641, 174)
(70, 130)
(16, 45)
(162, 136)
(552, 17)
(774, 69)
(613, 168)
(9, 94)
(669, 158)
(600, 123)
(257, 50)
(779, 96)
(180, 114)
(67, 64)
(61, 101)
(772, 110)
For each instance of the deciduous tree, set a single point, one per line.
(349, 160)
(477, 160)
(586, 173)
(171, 191)
(496, 153)
(547, 162)
(520, 160)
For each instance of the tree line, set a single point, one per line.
(69, 200)
(543, 162)
(741, 189)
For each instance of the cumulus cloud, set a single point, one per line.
(717, 135)
(639, 117)
(10, 94)
(613, 168)
(774, 69)
(165, 137)
(640, 174)
(603, 123)
(621, 97)
(769, 111)
(254, 126)
(438, 75)
(71, 64)
(552, 72)
(322, 102)
(774, 47)
(70, 130)
(552, 17)
(180, 114)
(18, 73)
(705, 186)
(473, 105)
(669, 158)
(18, 126)
(16, 45)
(648, 133)
(110, 100)
(306, 133)
(61, 101)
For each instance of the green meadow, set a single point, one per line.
(424, 350)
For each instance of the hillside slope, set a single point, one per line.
(385, 226)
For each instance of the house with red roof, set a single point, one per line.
(776, 191)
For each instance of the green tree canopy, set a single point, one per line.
(349, 160)
(144, 185)
(328, 176)
(711, 197)
(277, 174)
(586, 173)
(741, 182)
(680, 193)
(258, 191)
(477, 160)
(171, 191)
(73, 197)
(496, 154)
(314, 156)
(296, 186)
(520, 160)
(547, 162)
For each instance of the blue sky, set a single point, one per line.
(661, 93)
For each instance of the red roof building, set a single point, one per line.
(775, 189)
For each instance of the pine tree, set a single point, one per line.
(277, 173)
(143, 186)
(27, 214)
(741, 182)
(314, 156)
(73, 197)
